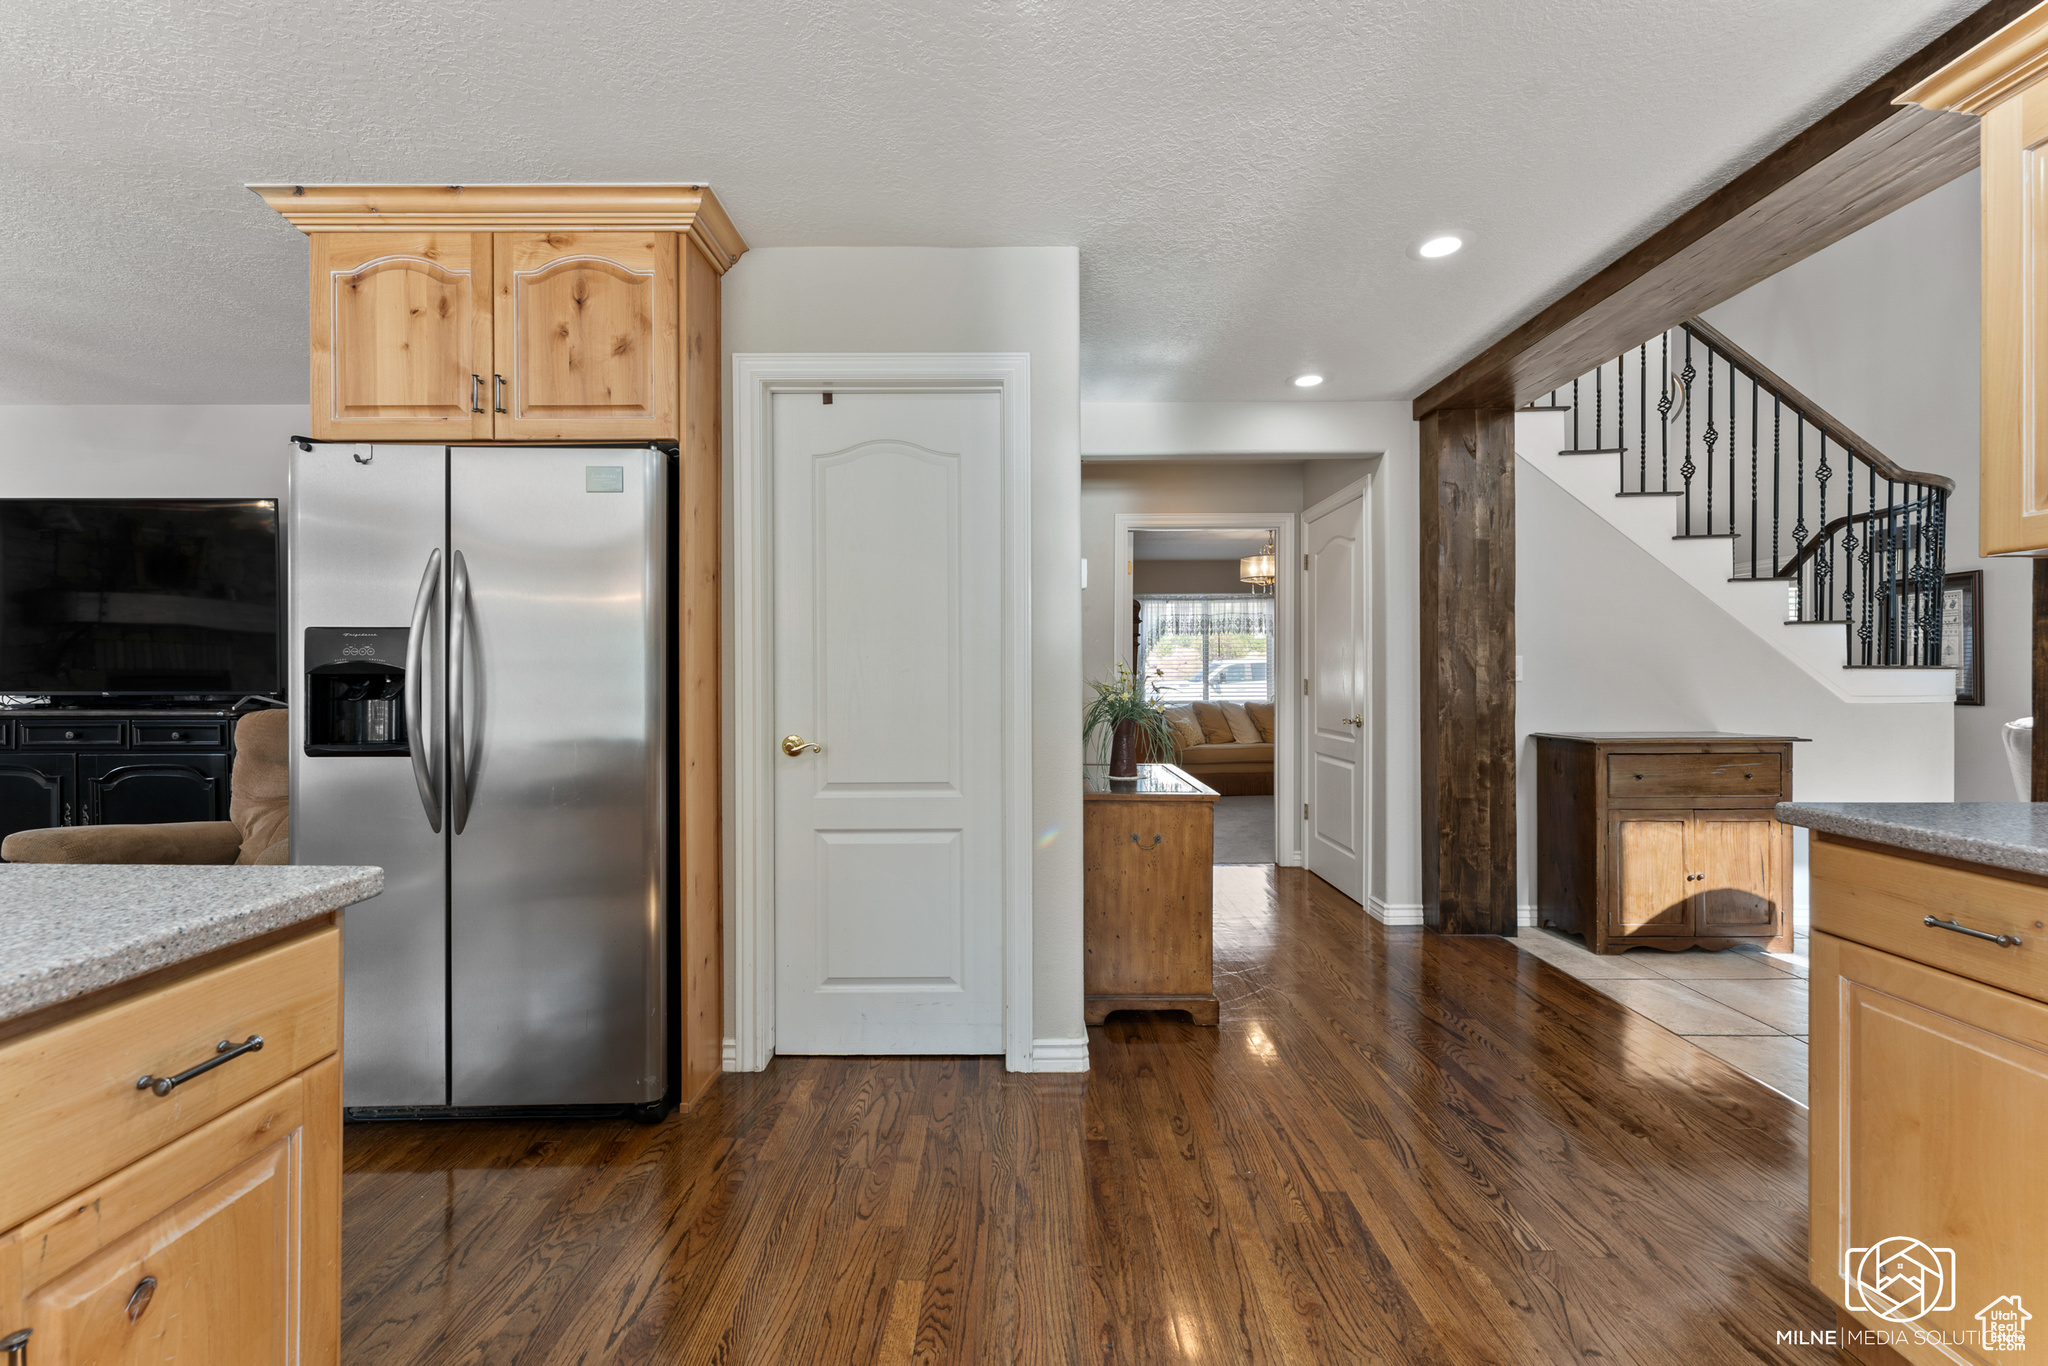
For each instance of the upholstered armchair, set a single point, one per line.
(258, 831)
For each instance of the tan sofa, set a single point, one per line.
(1223, 759)
(259, 830)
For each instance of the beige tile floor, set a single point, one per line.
(1745, 1006)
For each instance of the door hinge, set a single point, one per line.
(828, 395)
(1304, 810)
(1304, 563)
(1304, 687)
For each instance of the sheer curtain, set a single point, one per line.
(1206, 647)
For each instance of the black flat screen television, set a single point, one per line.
(139, 597)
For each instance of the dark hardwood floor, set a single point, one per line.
(1397, 1148)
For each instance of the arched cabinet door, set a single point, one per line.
(402, 336)
(585, 332)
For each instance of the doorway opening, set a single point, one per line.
(1208, 636)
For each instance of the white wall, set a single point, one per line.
(1329, 435)
(1611, 640)
(1881, 329)
(809, 299)
(148, 450)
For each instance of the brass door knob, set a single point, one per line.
(1354, 720)
(793, 745)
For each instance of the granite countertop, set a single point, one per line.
(69, 929)
(2011, 835)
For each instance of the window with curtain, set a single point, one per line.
(1194, 647)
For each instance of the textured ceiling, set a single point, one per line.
(1244, 180)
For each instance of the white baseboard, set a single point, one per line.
(1525, 915)
(1292, 860)
(1060, 1055)
(729, 1055)
(1393, 915)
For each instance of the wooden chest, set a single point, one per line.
(1666, 840)
(1147, 876)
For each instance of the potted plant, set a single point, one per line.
(1116, 717)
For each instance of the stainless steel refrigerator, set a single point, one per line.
(479, 665)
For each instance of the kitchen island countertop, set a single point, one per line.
(2009, 835)
(70, 929)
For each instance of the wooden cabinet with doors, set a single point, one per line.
(152, 1211)
(1929, 1052)
(511, 313)
(1664, 840)
(525, 314)
(510, 336)
(2000, 81)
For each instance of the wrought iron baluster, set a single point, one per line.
(1688, 469)
(1821, 475)
(1575, 415)
(1664, 402)
(1752, 477)
(1777, 477)
(1643, 418)
(1599, 412)
(1849, 544)
(1710, 436)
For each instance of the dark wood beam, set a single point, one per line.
(1468, 671)
(1859, 162)
(2038, 783)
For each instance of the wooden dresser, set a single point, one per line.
(1664, 839)
(1147, 878)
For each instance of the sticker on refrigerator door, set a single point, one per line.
(604, 478)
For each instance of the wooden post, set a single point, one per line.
(2040, 750)
(1468, 673)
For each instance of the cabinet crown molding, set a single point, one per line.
(692, 210)
(1990, 73)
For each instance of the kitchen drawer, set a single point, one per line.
(178, 734)
(1883, 901)
(71, 734)
(70, 1110)
(1631, 777)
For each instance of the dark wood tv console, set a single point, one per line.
(137, 766)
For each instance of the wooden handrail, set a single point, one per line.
(1812, 547)
(1814, 414)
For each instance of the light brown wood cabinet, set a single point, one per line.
(200, 1226)
(1664, 840)
(1930, 1087)
(1999, 81)
(510, 336)
(513, 313)
(1148, 851)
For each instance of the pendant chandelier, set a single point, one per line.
(1257, 570)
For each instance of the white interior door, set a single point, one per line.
(888, 642)
(1333, 612)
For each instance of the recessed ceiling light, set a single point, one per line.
(1307, 381)
(1439, 246)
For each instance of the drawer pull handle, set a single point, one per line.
(223, 1052)
(1157, 840)
(2011, 941)
(16, 1346)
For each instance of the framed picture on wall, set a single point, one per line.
(1962, 634)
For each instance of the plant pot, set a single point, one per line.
(1123, 750)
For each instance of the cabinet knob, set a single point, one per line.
(140, 1296)
(177, 735)
(16, 1346)
(70, 735)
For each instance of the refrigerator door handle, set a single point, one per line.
(461, 632)
(421, 745)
